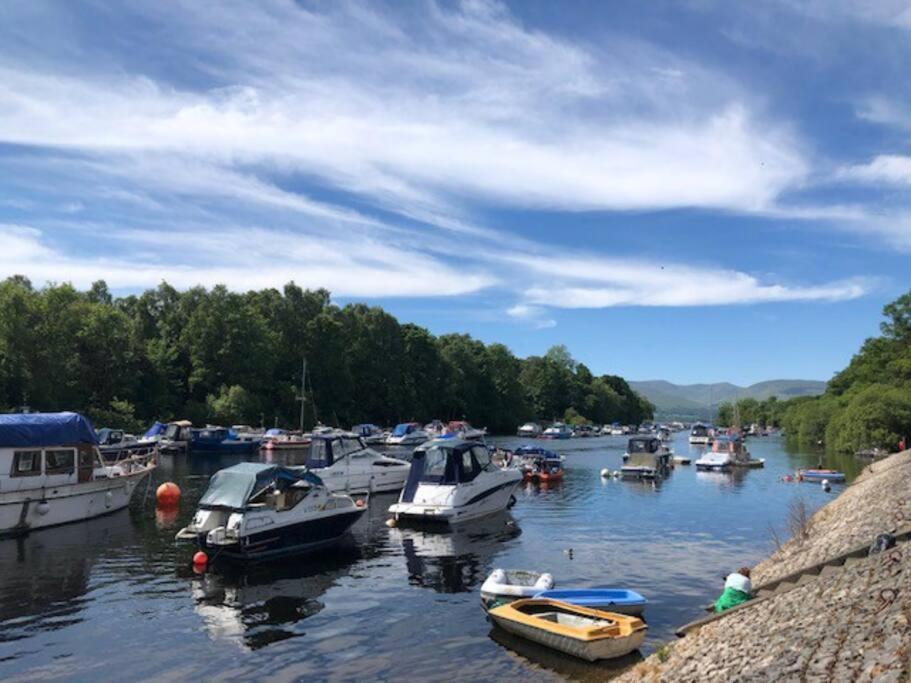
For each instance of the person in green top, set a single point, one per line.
(737, 589)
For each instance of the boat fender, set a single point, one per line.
(43, 508)
(498, 576)
(108, 499)
(605, 473)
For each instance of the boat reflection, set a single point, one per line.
(732, 478)
(44, 577)
(454, 560)
(263, 604)
(569, 667)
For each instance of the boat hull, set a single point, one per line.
(483, 505)
(605, 599)
(290, 539)
(22, 512)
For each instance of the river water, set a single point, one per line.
(116, 599)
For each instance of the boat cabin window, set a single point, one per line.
(60, 461)
(343, 447)
(287, 498)
(320, 454)
(482, 455)
(434, 464)
(26, 464)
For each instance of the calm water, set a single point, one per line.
(116, 599)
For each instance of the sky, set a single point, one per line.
(696, 191)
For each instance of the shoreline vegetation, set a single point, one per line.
(867, 405)
(212, 355)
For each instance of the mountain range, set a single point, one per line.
(700, 401)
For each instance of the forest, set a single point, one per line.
(213, 355)
(866, 405)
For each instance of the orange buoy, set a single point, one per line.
(359, 502)
(200, 559)
(168, 494)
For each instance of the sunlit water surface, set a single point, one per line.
(115, 598)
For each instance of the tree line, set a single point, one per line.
(866, 405)
(212, 355)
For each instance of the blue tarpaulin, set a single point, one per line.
(45, 429)
(155, 430)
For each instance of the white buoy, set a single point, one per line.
(826, 486)
(605, 473)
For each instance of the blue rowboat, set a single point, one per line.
(819, 475)
(618, 600)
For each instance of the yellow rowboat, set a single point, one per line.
(578, 631)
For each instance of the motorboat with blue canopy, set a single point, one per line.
(52, 472)
(407, 434)
(156, 430)
(257, 511)
(453, 480)
(346, 463)
(221, 440)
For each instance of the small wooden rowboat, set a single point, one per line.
(578, 631)
(619, 600)
(819, 475)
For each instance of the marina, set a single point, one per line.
(124, 577)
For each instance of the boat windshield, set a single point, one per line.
(320, 454)
(435, 464)
(642, 446)
(403, 429)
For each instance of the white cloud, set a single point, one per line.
(890, 169)
(243, 258)
(465, 103)
(606, 282)
(533, 315)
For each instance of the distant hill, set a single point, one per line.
(700, 401)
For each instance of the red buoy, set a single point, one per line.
(168, 494)
(200, 559)
(360, 502)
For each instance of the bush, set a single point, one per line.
(877, 416)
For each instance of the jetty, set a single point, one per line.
(825, 608)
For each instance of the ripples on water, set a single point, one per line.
(115, 598)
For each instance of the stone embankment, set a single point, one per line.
(828, 617)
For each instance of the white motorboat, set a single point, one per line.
(51, 472)
(255, 511)
(370, 433)
(717, 459)
(177, 437)
(734, 448)
(529, 430)
(646, 458)
(453, 480)
(665, 434)
(558, 430)
(463, 430)
(345, 463)
(700, 435)
(435, 428)
(506, 585)
(407, 434)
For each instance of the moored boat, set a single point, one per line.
(506, 585)
(578, 631)
(370, 433)
(700, 435)
(255, 511)
(176, 438)
(51, 472)
(452, 481)
(620, 600)
(281, 440)
(345, 463)
(819, 475)
(407, 434)
(646, 458)
(529, 430)
(221, 440)
(538, 464)
(558, 430)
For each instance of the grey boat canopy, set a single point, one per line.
(232, 487)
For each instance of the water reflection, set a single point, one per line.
(454, 560)
(570, 667)
(260, 605)
(45, 576)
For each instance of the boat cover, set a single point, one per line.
(155, 430)
(45, 429)
(275, 431)
(232, 487)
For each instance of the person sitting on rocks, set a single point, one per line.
(737, 589)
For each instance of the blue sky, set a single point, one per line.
(700, 191)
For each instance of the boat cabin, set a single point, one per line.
(114, 437)
(538, 455)
(178, 431)
(643, 444)
(327, 449)
(699, 430)
(251, 486)
(39, 450)
(448, 462)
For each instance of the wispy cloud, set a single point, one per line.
(536, 316)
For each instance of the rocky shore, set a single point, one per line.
(849, 621)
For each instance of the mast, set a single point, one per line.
(303, 396)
